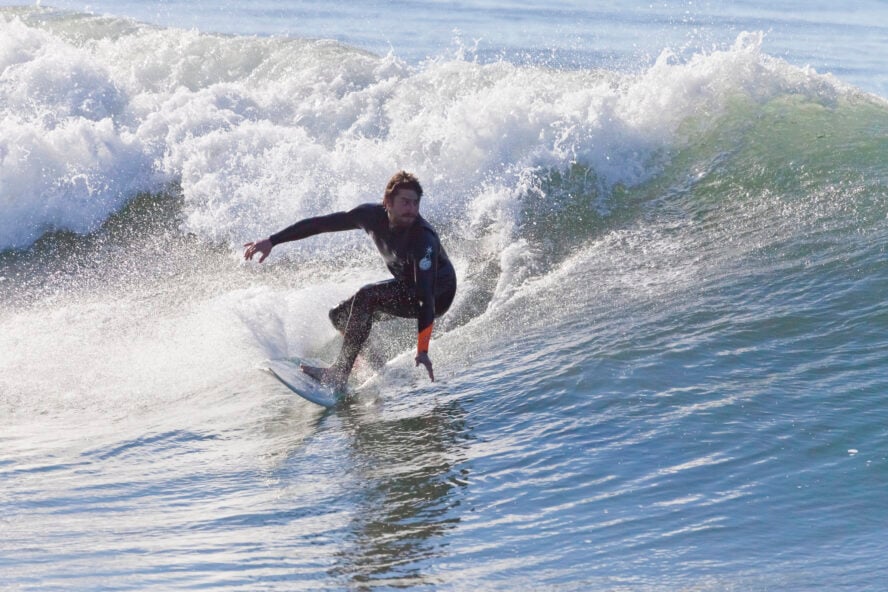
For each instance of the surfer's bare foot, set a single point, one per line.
(329, 377)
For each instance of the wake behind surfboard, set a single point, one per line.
(292, 376)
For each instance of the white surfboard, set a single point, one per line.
(289, 373)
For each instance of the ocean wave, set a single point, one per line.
(258, 132)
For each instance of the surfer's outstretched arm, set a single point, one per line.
(303, 229)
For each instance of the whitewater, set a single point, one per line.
(663, 369)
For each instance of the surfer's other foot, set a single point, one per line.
(313, 371)
(326, 376)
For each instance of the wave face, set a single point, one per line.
(678, 272)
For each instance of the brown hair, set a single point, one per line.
(401, 180)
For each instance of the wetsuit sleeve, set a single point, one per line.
(425, 263)
(311, 226)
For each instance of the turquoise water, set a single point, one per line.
(663, 369)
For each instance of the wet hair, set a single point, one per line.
(401, 180)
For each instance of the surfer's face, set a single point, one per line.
(403, 208)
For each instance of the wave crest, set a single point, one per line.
(259, 132)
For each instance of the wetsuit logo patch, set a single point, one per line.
(425, 263)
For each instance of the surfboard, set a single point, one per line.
(289, 373)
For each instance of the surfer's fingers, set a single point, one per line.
(427, 362)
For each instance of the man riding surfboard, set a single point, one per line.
(423, 284)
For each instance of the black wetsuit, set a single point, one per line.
(424, 281)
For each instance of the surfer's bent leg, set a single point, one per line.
(354, 317)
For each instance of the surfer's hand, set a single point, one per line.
(423, 358)
(263, 246)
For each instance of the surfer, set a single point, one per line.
(424, 282)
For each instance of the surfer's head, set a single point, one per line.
(401, 180)
(401, 199)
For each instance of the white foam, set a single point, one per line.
(65, 160)
(264, 131)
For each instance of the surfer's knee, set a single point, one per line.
(365, 299)
(356, 309)
(339, 317)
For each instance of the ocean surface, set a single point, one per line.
(666, 367)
